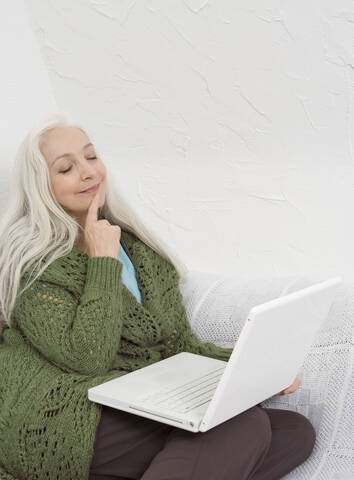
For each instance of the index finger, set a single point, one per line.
(92, 214)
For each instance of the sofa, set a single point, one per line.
(217, 307)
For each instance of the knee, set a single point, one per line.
(259, 427)
(306, 434)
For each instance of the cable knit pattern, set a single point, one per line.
(78, 326)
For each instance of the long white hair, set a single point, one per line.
(35, 225)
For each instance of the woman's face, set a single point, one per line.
(78, 170)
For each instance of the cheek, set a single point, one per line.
(63, 188)
(103, 171)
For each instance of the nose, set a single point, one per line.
(86, 169)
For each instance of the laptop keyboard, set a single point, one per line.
(187, 396)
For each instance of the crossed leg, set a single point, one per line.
(258, 444)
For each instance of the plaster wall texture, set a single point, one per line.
(229, 125)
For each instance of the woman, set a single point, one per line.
(88, 294)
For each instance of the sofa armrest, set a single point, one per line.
(217, 305)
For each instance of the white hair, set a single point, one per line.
(35, 225)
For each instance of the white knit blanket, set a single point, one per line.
(217, 307)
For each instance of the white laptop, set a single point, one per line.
(196, 393)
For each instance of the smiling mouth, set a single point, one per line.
(92, 189)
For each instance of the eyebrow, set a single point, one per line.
(68, 154)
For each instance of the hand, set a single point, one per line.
(292, 388)
(102, 238)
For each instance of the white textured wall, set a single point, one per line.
(228, 124)
(25, 88)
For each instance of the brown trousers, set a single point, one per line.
(258, 444)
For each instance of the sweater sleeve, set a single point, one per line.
(82, 336)
(5, 475)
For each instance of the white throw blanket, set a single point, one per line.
(217, 307)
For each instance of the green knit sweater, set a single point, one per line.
(78, 326)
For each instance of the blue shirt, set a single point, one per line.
(128, 274)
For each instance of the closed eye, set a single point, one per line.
(68, 170)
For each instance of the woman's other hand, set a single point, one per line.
(292, 388)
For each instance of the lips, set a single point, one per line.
(91, 189)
